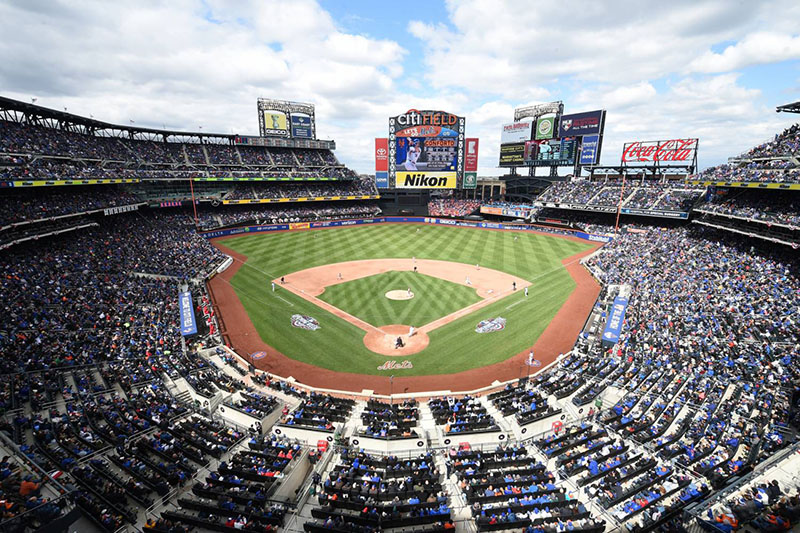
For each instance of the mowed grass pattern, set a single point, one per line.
(339, 345)
(433, 298)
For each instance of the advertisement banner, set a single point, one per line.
(186, 308)
(470, 180)
(275, 123)
(381, 154)
(397, 220)
(301, 127)
(545, 127)
(516, 132)
(511, 155)
(614, 323)
(425, 180)
(471, 157)
(586, 123)
(672, 150)
(382, 180)
(590, 149)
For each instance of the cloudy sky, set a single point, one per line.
(711, 69)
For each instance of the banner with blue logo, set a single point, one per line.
(589, 149)
(301, 127)
(614, 322)
(188, 323)
(382, 180)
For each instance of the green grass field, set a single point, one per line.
(338, 345)
(433, 298)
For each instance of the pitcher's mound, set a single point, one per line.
(399, 295)
(382, 340)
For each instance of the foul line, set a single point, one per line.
(287, 301)
(515, 303)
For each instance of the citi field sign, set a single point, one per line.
(413, 117)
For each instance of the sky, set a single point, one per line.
(713, 69)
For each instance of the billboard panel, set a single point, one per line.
(550, 152)
(275, 123)
(672, 150)
(425, 180)
(425, 145)
(516, 132)
(511, 155)
(470, 180)
(616, 318)
(381, 154)
(301, 127)
(578, 124)
(545, 128)
(186, 311)
(382, 180)
(471, 156)
(590, 149)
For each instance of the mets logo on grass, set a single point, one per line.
(305, 322)
(493, 324)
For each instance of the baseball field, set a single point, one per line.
(462, 289)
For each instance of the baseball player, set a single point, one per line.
(412, 156)
(467, 281)
(273, 286)
(526, 292)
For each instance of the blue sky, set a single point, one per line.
(708, 69)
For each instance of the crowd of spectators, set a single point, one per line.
(637, 194)
(784, 143)
(313, 189)
(209, 219)
(452, 207)
(758, 206)
(39, 203)
(38, 152)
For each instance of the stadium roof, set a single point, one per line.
(33, 110)
(789, 108)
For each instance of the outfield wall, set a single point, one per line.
(294, 226)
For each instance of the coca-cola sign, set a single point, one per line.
(672, 150)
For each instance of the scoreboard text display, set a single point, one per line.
(426, 150)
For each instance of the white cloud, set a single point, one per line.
(755, 49)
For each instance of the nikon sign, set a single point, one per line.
(426, 180)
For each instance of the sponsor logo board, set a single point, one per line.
(515, 132)
(381, 154)
(586, 123)
(673, 150)
(471, 157)
(425, 180)
(545, 127)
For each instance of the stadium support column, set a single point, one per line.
(619, 203)
(194, 204)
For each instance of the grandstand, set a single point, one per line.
(113, 419)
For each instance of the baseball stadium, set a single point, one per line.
(542, 316)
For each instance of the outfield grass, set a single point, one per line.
(338, 345)
(433, 298)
